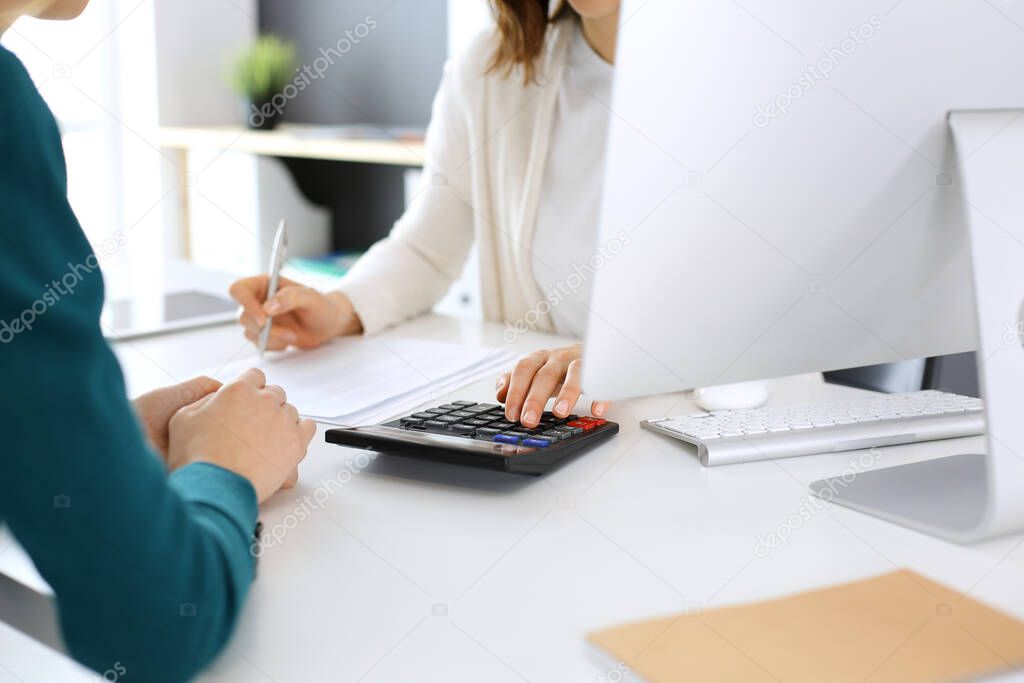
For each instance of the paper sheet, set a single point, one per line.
(896, 628)
(363, 380)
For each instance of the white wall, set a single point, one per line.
(236, 200)
(195, 41)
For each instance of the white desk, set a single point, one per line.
(417, 571)
(297, 141)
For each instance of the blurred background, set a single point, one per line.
(191, 127)
(155, 103)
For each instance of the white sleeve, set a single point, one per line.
(409, 271)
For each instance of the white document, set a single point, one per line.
(364, 380)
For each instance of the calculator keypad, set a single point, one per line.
(486, 421)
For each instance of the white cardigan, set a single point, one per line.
(486, 150)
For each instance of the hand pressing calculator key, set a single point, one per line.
(478, 435)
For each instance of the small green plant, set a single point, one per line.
(263, 69)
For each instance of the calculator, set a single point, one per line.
(479, 435)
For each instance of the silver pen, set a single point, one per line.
(277, 256)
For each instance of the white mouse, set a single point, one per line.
(732, 396)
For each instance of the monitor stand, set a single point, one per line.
(971, 497)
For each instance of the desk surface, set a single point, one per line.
(303, 142)
(418, 571)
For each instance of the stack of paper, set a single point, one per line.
(365, 380)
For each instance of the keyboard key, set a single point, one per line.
(582, 424)
(463, 429)
(480, 408)
(410, 421)
(536, 442)
(448, 419)
(555, 435)
(424, 415)
(436, 411)
(464, 403)
(435, 424)
(487, 431)
(477, 423)
(572, 431)
(461, 413)
(450, 406)
(506, 438)
(502, 425)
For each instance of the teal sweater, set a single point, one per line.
(150, 570)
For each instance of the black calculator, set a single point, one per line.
(479, 435)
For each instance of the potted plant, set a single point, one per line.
(260, 74)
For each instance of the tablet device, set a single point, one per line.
(132, 318)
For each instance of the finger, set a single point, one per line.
(308, 430)
(248, 322)
(197, 405)
(277, 392)
(544, 384)
(253, 376)
(282, 335)
(251, 332)
(570, 392)
(276, 344)
(599, 408)
(203, 385)
(279, 340)
(289, 298)
(519, 384)
(501, 386)
(250, 293)
(191, 391)
(292, 412)
(203, 401)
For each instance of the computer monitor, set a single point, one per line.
(787, 192)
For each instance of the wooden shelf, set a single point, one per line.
(303, 142)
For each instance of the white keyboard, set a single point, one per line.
(731, 436)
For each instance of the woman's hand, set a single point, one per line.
(302, 316)
(248, 427)
(543, 374)
(156, 408)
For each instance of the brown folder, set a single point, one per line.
(895, 628)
